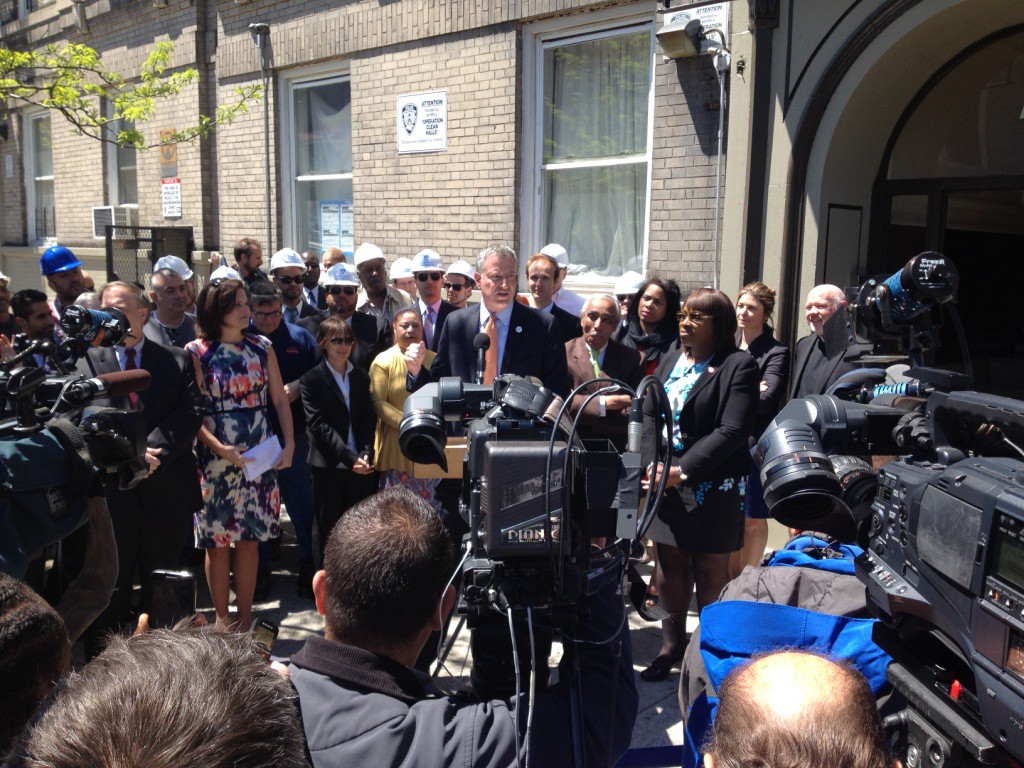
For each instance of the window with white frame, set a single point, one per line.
(318, 161)
(589, 175)
(40, 203)
(122, 167)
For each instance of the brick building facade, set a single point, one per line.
(563, 123)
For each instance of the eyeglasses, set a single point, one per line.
(287, 280)
(455, 286)
(348, 290)
(693, 317)
(267, 315)
(431, 276)
(339, 341)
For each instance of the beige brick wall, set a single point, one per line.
(455, 201)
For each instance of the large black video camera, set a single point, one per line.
(53, 443)
(534, 494)
(943, 532)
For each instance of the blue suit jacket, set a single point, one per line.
(534, 347)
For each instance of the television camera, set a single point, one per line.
(534, 494)
(942, 525)
(53, 442)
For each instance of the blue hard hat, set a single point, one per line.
(57, 258)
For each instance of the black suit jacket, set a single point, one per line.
(443, 311)
(772, 358)
(321, 297)
(568, 324)
(716, 419)
(620, 362)
(835, 367)
(533, 347)
(328, 418)
(172, 410)
(368, 331)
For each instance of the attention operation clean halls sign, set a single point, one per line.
(422, 122)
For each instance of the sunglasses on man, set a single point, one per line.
(348, 290)
(455, 287)
(288, 280)
(431, 276)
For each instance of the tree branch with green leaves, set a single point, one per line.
(71, 80)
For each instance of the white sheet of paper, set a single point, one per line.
(263, 457)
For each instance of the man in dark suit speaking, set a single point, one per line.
(597, 355)
(524, 342)
(153, 520)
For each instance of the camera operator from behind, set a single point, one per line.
(363, 704)
(153, 520)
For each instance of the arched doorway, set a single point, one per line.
(952, 180)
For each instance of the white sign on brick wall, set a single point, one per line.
(170, 197)
(422, 122)
(712, 16)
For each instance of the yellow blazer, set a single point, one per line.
(387, 389)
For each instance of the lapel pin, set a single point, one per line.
(519, 329)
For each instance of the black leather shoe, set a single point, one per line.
(660, 668)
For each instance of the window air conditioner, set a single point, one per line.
(116, 215)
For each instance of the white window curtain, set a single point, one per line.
(594, 166)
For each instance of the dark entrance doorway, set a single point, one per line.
(952, 180)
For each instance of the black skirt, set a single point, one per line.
(706, 518)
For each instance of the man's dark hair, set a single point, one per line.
(22, 301)
(719, 309)
(172, 699)
(34, 654)
(244, 246)
(387, 563)
(839, 727)
(263, 293)
(215, 301)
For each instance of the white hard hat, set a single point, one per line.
(341, 274)
(401, 268)
(427, 261)
(463, 268)
(175, 264)
(287, 257)
(225, 273)
(367, 252)
(628, 284)
(556, 252)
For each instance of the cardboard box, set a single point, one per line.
(454, 451)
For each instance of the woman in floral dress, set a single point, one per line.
(712, 387)
(239, 378)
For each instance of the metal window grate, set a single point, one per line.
(132, 251)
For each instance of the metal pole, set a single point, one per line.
(721, 61)
(261, 36)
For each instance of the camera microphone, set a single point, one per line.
(481, 342)
(115, 384)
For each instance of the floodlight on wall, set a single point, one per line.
(680, 35)
(159, 3)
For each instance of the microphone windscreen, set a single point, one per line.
(121, 383)
(481, 341)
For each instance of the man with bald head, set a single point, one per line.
(796, 708)
(814, 369)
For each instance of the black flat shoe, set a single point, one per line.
(660, 668)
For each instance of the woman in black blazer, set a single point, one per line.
(712, 387)
(341, 423)
(753, 313)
